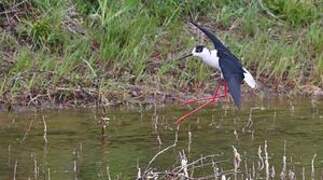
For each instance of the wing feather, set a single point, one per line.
(216, 42)
(234, 83)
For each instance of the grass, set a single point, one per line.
(74, 44)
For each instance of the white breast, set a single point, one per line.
(212, 59)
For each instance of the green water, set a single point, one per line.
(75, 141)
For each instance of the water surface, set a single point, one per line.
(77, 150)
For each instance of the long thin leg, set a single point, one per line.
(215, 96)
(182, 118)
(216, 92)
(190, 101)
(212, 99)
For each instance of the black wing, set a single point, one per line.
(229, 65)
(233, 74)
(216, 42)
(234, 88)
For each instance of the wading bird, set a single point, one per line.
(222, 59)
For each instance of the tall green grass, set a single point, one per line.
(125, 43)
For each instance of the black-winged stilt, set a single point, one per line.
(222, 59)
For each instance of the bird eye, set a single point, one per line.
(199, 49)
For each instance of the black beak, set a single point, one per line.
(186, 56)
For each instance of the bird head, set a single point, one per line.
(200, 51)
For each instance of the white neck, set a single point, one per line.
(211, 59)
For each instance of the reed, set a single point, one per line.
(219, 168)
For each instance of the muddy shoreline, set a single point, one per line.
(83, 99)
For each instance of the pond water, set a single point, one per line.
(75, 148)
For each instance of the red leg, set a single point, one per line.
(216, 92)
(190, 101)
(211, 99)
(182, 118)
(215, 96)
